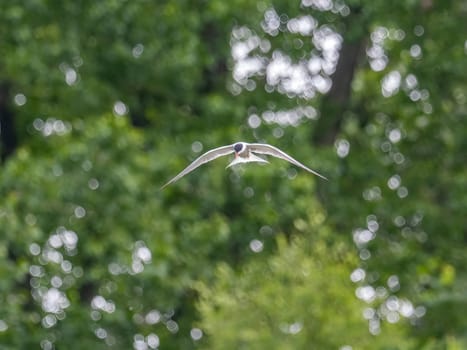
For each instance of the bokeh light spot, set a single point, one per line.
(20, 99)
(54, 301)
(137, 50)
(342, 148)
(93, 184)
(35, 249)
(172, 326)
(418, 30)
(357, 275)
(394, 182)
(80, 212)
(395, 135)
(153, 341)
(256, 246)
(101, 333)
(402, 192)
(391, 83)
(366, 293)
(120, 108)
(248, 192)
(196, 146)
(416, 51)
(254, 121)
(153, 317)
(196, 334)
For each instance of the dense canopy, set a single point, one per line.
(101, 103)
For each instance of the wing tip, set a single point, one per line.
(321, 176)
(165, 185)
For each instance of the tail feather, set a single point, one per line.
(251, 158)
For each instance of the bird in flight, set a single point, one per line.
(244, 153)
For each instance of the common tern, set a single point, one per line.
(244, 153)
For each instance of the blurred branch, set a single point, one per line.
(8, 136)
(337, 101)
(214, 39)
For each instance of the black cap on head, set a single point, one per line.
(238, 147)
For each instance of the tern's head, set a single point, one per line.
(239, 147)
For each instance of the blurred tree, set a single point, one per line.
(91, 250)
(298, 299)
(80, 210)
(396, 115)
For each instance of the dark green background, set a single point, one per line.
(101, 103)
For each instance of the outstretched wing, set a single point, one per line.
(263, 148)
(204, 158)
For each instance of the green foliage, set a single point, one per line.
(107, 100)
(301, 297)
